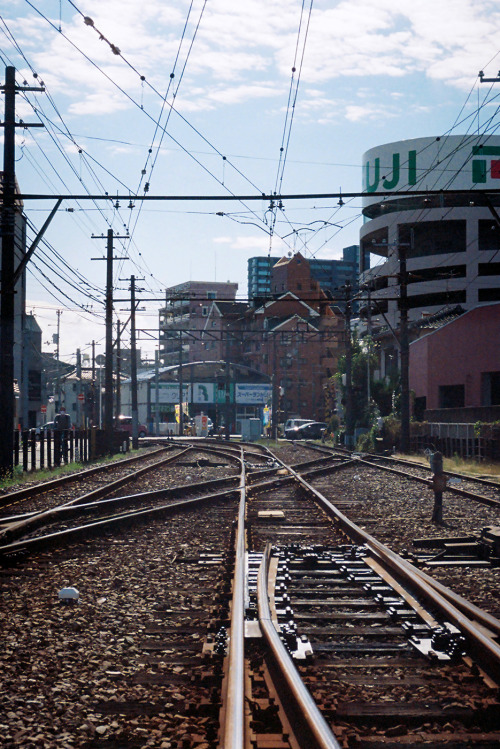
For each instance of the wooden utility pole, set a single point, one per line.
(8, 226)
(118, 370)
(181, 388)
(133, 368)
(404, 350)
(349, 428)
(108, 371)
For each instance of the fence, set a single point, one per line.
(50, 449)
(454, 439)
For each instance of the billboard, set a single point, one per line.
(168, 392)
(253, 395)
(205, 393)
(455, 162)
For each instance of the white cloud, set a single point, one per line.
(251, 243)
(447, 41)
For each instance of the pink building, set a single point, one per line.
(458, 367)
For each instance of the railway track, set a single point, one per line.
(372, 651)
(479, 489)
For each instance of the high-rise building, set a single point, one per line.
(332, 275)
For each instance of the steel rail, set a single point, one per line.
(233, 734)
(484, 645)
(102, 526)
(16, 529)
(318, 733)
(63, 512)
(373, 458)
(480, 498)
(463, 492)
(46, 486)
(414, 464)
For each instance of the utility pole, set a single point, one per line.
(227, 417)
(94, 407)
(118, 370)
(181, 388)
(58, 353)
(157, 392)
(108, 372)
(349, 430)
(8, 270)
(369, 348)
(404, 350)
(79, 405)
(133, 367)
(275, 416)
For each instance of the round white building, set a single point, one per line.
(451, 240)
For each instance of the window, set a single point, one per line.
(438, 299)
(488, 295)
(211, 295)
(432, 237)
(451, 396)
(488, 269)
(490, 388)
(488, 236)
(419, 407)
(204, 311)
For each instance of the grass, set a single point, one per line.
(24, 478)
(459, 465)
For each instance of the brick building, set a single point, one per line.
(332, 275)
(296, 337)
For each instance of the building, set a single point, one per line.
(223, 391)
(296, 338)
(292, 338)
(450, 240)
(184, 317)
(455, 377)
(332, 275)
(220, 336)
(22, 407)
(33, 391)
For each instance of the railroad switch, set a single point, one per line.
(482, 551)
(445, 643)
(220, 646)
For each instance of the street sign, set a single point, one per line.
(43, 409)
(81, 397)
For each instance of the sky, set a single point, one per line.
(211, 99)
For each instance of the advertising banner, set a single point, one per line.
(203, 392)
(168, 392)
(253, 395)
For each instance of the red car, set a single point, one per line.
(125, 423)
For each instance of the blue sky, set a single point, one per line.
(366, 72)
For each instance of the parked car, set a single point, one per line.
(125, 423)
(292, 425)
(48, 426)
(312, 431)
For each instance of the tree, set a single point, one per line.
(382, 393)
